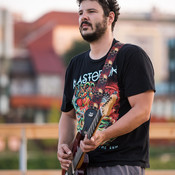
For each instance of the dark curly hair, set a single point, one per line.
(108, 6)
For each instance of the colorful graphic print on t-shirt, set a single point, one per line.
(83, 93)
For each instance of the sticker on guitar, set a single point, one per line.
(80, 159)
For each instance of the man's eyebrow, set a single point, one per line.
(88, 9)
(92, 9)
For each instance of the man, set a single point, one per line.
(121, 144)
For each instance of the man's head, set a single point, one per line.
(107, 6)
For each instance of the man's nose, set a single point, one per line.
(84, 17)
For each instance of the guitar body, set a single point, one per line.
(83, 162)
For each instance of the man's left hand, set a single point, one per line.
(91, 144)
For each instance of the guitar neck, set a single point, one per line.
(94, 123)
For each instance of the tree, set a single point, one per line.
(54, 114)
(77, 48)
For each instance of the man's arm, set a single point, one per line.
(138, 114)
(67, 132)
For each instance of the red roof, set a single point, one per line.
(23, 29)
(43, 57)
(37, 37)
(47, 62)
(40, 39)
(61, 18)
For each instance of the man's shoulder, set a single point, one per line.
(128, 47)
(131, 50)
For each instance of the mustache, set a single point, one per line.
(86, 22)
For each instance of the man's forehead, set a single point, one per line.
(88, 0)
(86, 4)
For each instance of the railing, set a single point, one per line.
(50, 131)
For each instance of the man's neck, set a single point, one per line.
(101, 47)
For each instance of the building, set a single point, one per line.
(39, 47)
(155, 33)
(37, 71)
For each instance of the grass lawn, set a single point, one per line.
(162, 157)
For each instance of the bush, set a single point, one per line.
(161, 157)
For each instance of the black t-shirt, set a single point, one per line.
(132, 73)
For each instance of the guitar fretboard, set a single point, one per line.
(94, 124)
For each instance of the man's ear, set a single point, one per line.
(111, 17)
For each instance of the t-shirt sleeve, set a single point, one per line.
(138, 72)
(68, 90)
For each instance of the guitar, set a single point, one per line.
(80, 159)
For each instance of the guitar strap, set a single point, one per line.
(100, 86)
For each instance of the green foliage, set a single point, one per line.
(53, 117)
(77, 48)
(9, 160)
(42, 156)
(162, 157)
(1, 120)
(54, 114)
(43, 160)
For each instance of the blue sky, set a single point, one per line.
(33, 9)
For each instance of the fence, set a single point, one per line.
(50, 131)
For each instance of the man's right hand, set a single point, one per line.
(64, 155)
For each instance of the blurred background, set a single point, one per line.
(38, 39)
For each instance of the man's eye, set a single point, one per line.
(80, 13)
(92, 11)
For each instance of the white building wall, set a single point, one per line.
(49, 85)
(22, 86)
(6, 34)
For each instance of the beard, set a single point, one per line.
(100, 29)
